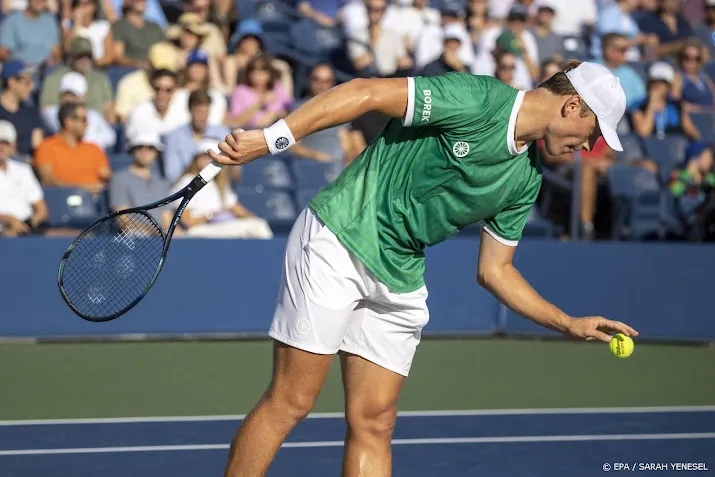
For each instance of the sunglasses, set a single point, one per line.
(696, 58)
(82, 119)
(162, 89)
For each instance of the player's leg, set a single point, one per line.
(371, 394)
(298, 377)
(376, 356)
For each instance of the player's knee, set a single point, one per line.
(372, 417)
(295, 404)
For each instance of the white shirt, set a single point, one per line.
(409, 22)
(19, 189)
(430, 45)
(96, 32)
(207, 200)
(354, 17)
(144, 118)
(489, 38)
(98, 131)
(217, 110)
(571, 15)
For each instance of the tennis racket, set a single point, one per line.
(114, 262)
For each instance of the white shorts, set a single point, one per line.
(328, 301)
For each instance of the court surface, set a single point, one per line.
(516, 409)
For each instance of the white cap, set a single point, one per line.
(661, 70)
(453, 31)
(207, 144)
(8, 132)
(148, 138)
(603, 93)
(74, 83)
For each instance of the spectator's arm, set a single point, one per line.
(644, 121)
(305, 152)
(347, 145)
(4, 53)
(240, 211)
(7, 39)
(37, 137)
(44, 170)
(359, 54)
(669, 49)
(306, 9)
(40, 213)
(118, 196)
(241, 110)
(121, 60)
(689, 128)
(109, 51)
(12, 226)
(109, 13)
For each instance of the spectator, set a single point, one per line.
(548, 69)
(73, 88)
(411, 19)
(643, 10)
(259, 100)
(135, 88)
(195, 77)
(134, 36)
(213, 41)
(246, 43)
(388, 48)
(616, 18)
(429, 45)
(23, 210)
(182, 142)
(329, 145)
(65, 160)
(512, 38)
(140, 183)
(323, 12)
(99, 90)
(572, 19)
(161, 114)
(669, 26)
(705, 30)
(17, 86)
(353, 17)
(187, 36)
(215, 211)
(478, 22)
(153, 11)
(86, 24)
(505, 69)
(549, 45)
(32, 36)
(614, 47)
(449, 61)
(697, 91)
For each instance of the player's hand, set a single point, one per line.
(597, 328)
(240, 147)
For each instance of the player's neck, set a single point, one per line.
(533, 117)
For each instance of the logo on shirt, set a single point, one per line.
(282, 142)
(427, 106)
(460, 148)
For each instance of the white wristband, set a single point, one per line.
(278, 137)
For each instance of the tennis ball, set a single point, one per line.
(621, 346)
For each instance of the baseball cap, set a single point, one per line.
(508, 43)
(452, 9)
(661, 70)
(197, 56)
(207, 144)
(74, 83)
(163, 56)
(546, 5)
(147, 138)
(603, 93)
(14, 68)
(8, 132)
(80, 46)
(453, 31)
(518, 12)
(249, 27)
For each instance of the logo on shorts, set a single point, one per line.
(460, 149)
(282, 142)
(303, 326)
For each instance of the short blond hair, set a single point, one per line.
(560, 85)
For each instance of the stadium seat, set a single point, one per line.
(705, 122)
(303, 196)
(667, 153)
(311, 174)
(632, 148)
(119, 161)
(637, 202)
(73, 207)
(575, 47)
(268, 172)
(310, 38)
(709, 68)
(275, 206)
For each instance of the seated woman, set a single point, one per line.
(86, 23)
(260, 99)
(697, 91)
(215, 211)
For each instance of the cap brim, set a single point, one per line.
(610, 136)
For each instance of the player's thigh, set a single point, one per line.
(387, 328)
(319, 290)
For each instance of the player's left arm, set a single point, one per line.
(497, 274)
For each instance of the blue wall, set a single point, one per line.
(217, 286)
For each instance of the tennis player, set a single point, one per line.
(461, 149)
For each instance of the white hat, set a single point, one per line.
(148, 138)
(661, 71)
(603, 93)
(8, 132)
(74, 83)
(453, 31)
(207, 144)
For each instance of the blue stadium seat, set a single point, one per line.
(73, 207)
(575, 47)
(275, 206)
(709, 68)
(667, 153)
(119, 161)
(705, 122)
(303, 196)
(637, 202)
(311, 174)
(632, 148)
(310, 38)
(640, 67)
(266, 172)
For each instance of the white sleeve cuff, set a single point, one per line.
(498, 238)
(410, 113)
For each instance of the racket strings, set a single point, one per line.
(113, 264)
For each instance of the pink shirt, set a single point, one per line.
(244, 98)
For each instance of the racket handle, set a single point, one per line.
(210, 171)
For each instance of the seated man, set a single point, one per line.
(73, 88)
(16, 87)
(66, 160)
(22, 207)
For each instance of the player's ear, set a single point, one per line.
(571, 106)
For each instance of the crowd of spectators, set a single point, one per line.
(196, 69)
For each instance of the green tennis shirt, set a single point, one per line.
(450, 162)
